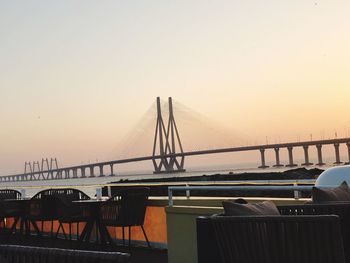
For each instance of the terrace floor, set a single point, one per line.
(138, 254)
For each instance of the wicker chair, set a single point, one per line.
(9, 194)
(126, 208)
(274, 239)
(9, 209)
(69, 212)
(341, 209)
(43, 205)
(30, 254)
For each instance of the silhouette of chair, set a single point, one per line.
(30, 254)
(44, 206)
(8, 208)
(272, 239)
(69, 212)
(126, 208)
(341, 209)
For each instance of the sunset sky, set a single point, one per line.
(77, 76)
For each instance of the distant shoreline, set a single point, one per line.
(292, 174)
(162, 189)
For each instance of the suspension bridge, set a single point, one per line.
(168, 155)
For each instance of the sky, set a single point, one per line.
(77, 76)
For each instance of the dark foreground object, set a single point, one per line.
(208, 248)
(137, 254)
(30, 254)
(341, 209)
(271, 239)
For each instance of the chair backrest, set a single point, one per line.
(8, 208)
(9, 194)
(44, 203)
(341, 209)
(127, 207)
(29, 254)
(70, 194)
(275, 239)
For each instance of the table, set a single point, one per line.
(101, 229)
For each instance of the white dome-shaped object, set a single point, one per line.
(334, 176)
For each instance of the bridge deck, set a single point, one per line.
(72, 171)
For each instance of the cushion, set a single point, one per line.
(340, 193)
(240, 208)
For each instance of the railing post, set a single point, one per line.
(296, 192)
(188, 195)
(170, 197)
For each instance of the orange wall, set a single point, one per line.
(155, 227)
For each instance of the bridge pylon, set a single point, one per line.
(53, 166)
(166, 143)
(44, 167)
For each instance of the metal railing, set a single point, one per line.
(296, 188)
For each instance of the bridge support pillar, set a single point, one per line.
(101, 171)
(337, 154)
(319, 154)
(348, 146)
(290, 155)
(92, 172)
(82, 171)
(277, 154)
(262, 155)
(306, 155)
(75, 173)
(58, 174)
(112, 172)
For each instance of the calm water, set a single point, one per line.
(89, 185)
